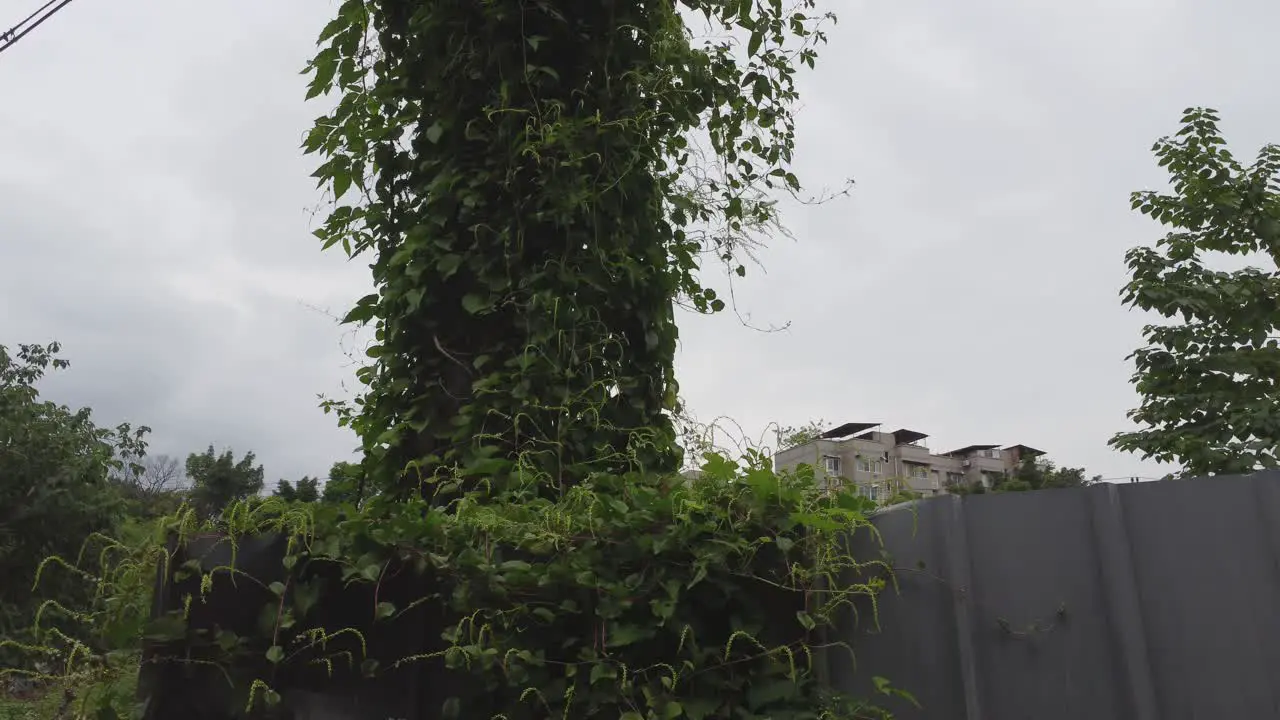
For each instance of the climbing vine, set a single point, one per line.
(636, 597)
(537, 184)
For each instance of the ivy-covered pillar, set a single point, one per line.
(521, 175)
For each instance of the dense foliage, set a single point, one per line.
(529, 181)
(153, 486)
(537, 186)
(307, 489)
(1207, 376)
(639, 596)
(1041, 474)
(217, 480)
(55, 488)
(345, 484)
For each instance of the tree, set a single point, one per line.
(218, 480)
(1040, 474)
(55, 492)
(153, 485)
(1207, 375)
(536, 203)
(306, 490)
(152, 474)
(794, 436)
(344, 484)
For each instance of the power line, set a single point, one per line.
(1129, 479)
(10, 37)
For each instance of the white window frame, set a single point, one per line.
(831, 465)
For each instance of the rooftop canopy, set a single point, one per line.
(971, 449)
(907, 437)
(846, 430)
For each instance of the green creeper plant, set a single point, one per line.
(1207, 374)
(538, 184)
(638, 596)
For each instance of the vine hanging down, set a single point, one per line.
(632, 597)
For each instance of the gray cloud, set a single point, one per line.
(154, 217)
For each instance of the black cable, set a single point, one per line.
(11, 36)
(11, 31)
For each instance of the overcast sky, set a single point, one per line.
(155, 217)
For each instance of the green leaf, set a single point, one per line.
(451, 708)
(448, 264)
(341, 184)
(275, 654)
(413, 298)
(601, 671)
(621, 635)
(333, 28)
(699, 574)
(474, 304)
(753, 45)
(227, 640)
(699, 708)
(673, 710)
(806, 620)
(761, 694)
(277, 588)
(386, 610)
(433, 133)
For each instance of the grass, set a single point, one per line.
(40, 708)
(111, 690)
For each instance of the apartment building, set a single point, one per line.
(883, 463)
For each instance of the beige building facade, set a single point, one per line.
(881, 464)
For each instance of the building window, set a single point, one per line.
(872, 492)
(831, 464)
(870, 465)
(918, 472)
(954, 478)
(992, 453)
